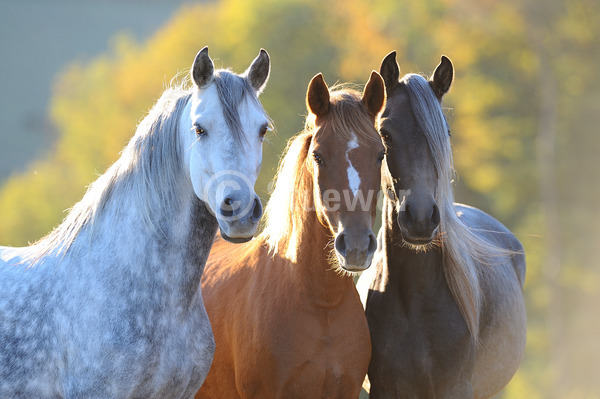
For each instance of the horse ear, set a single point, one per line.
(442, 77)
(317, 96)
(374, 94)
(258, 72)
(202, 69)
(389, 70)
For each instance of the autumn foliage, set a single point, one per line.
(523, 112)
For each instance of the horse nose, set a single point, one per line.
(239, 216)
(231, 207)
(372, 245)
(228, 207)
(419, 220)
(356, 251)
(435, 217)
(340, 244)
(257, 211)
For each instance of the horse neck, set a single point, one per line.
(414, 272)
(193, 233)
(312, 271)
(167, 252)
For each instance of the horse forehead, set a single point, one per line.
(251, 111)
(336, 144)
(206, 105)
(205, 102)
(397, 103)
(401, 123)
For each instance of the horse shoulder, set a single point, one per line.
(496, 233)
(27, 358)
(503, 318)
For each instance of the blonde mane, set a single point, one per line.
(291, 202)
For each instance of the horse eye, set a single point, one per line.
(318, 159)
(200, 130)
(263, 131)
(385, 136)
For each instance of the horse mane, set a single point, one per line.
(232, 90)
(148, 168)
(461, 247)
(292, 199)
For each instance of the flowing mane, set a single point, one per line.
(294, 184)
(148, 168)
(461, 247)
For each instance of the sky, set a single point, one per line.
(40, 38)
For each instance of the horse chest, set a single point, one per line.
(304, 352)
(423, 345)
(324, 356)
(185, 358)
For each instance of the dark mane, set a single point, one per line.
(232, 89)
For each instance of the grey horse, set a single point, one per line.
(108, 305)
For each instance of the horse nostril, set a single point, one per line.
(257, 211)
(435, 216)
(227, 207)
(340, 244)
(372, 244)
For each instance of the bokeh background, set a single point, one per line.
(77, 76)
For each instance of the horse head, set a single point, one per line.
(416, 136)
(345, 159)
(223, 135)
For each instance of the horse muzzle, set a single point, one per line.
(419, 222)
(238, 219)
(355, 251)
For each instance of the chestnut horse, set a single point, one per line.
(444, 297)
(287, 320)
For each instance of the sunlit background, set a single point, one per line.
(77, 76)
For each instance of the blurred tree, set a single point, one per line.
(523, 113)
(95, 106)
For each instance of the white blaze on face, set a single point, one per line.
(353, 177)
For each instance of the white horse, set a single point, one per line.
(108, 305)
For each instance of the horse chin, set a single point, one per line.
(235, 240)
(237, 232)
(418, 243)
(352, 269)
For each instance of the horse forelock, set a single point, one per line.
(233, 90)
(147, 171)
(348, 116)
(430, 118)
